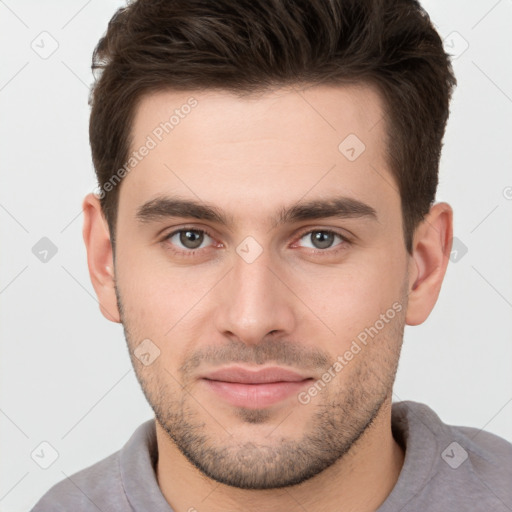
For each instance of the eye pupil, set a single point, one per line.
(191, 239)
(323, 239)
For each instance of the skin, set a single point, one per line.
(294, 306)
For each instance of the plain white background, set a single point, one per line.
(66, 376)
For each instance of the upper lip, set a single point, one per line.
(246, 376)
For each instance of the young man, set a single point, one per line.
(264, 229)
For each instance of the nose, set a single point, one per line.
(256, 300)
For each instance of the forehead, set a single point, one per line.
(269, 148)
(311, 113)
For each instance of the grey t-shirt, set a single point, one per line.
(446, 468)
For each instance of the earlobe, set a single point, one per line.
(100, 257)
(431, 252)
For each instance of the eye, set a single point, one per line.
(189, 239)
(323, 238)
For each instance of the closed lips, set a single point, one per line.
(243, 376)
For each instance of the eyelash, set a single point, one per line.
(329, 251)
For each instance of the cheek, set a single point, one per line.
(353, 297)
(159, 299)
(142, 291)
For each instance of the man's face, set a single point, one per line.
(263, 290)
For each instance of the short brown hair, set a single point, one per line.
(245, 46)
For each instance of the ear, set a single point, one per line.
(99, 257)
(432, 246)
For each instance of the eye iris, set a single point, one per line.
(323, 239)
(195, 238)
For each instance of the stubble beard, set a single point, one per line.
(342, 414)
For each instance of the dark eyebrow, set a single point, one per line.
(333, 207)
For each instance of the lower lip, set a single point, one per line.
(255, 396)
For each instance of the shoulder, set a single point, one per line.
(480, 442)
(487, 460)
(466, 464)
(491, 453)
(97, 487)
(103, 485)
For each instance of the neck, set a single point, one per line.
(360, 481)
